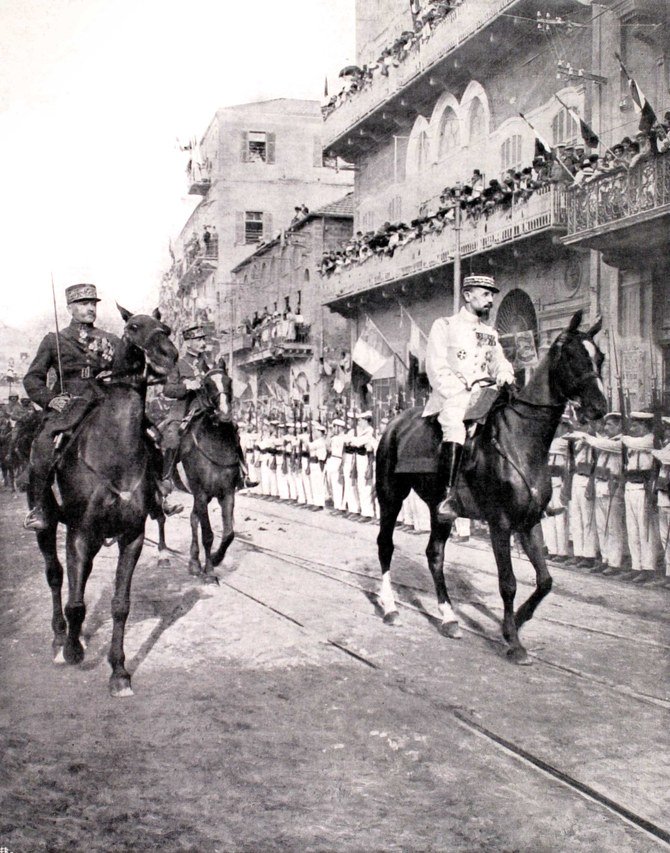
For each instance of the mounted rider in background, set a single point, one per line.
(181, 389)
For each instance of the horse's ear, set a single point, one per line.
(124, 312)
(222, 365)
(575, 322)
(156, 314)
(595, 328)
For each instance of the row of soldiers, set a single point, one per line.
(611, 498)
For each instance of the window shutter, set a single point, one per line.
(239, 227)
(244, 147)
(318, 153)
(267, 226)
(270, 147)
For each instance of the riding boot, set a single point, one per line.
(39, 480)
(449, 464)
(165, 484)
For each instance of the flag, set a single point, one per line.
(589, 135)
(366, 356)
(647, 115)
(542, 147)
(340, 380)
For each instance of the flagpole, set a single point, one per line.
(597, 136)
(551, 151)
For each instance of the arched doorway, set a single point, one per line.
(517, 327)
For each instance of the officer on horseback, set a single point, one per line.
(85, 351)
(181, 388)
(462, 351)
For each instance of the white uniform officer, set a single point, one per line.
(662, 491)
(642, 537)
(462, 350)
(555, 523)
(317, 465)
(365, 445)
(351, 502)
(582, 505)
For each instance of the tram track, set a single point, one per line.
(465, 720)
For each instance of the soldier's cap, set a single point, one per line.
(193, 333)
(486, 281)
(318, 426)
(337, 422)
(613, 415)
(81, 292)
(641, 416)
(364, 416)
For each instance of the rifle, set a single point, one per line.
(354, 462)
(311, 439)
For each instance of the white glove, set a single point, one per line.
(59, 403)
(192, 384)
(504, 379)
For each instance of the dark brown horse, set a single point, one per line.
(505, 480)
(210, 458)
(107, 487)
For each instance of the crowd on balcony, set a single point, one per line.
(477, 199)
(269, 327)
(203, 245)
(426, 15)
(620, 157)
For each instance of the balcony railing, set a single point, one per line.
(198, 262)
(460, 24)
(278, 340)
(544, 210)
(619, 200)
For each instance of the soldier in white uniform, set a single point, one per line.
(365, 445)
(582, 504)
(284, 447)
(317, 465)
(642, 537)
(334, 463)
(609, 501)
(555, 523)
(662, 492)
(462, 350)
(303, 473)
(351, 503)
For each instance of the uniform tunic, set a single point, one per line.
(582, 507)
(554, 527)
(350, 500)
(609, 501)
(642, 536)
(85, 352)
(334, 470)
(317, 472)
(460, 350)
(191, 366)
(365, 444)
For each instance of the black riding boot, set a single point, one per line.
(165, 485)
(39, 480)
(449, 465)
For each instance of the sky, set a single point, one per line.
(94, 95)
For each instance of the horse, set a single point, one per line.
(504, 479)
(15, 441)
(209, 455)
(106, 482)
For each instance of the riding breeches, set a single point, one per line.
(451, 416)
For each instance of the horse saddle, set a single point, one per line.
(419, 445)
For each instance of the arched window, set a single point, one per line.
(510, 153)
(449, 133)
(564, 128)
(422, 151)
(478, 129)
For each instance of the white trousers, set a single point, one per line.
(451, 416)
(305, 480)
(555, 527)
(664, 530)
(351, 502)
(336, 488)
(610, 524)
(642, 537)
(364, 488)
(317, 479)
(582, 519)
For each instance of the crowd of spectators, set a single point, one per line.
(206, 244)
(267, 327)
(426, 15)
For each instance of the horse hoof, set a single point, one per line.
(209, 577)
(59, 657)
(119, 688)
(519, 657)
(195, 569)
(73, 653)
(392, 618)
(451, 630)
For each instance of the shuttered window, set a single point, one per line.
(257, 147)
(253, 226)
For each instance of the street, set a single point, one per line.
(276, 711)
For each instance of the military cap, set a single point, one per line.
(337, 422)
(641, 416)
(612, 415)
(364, 416)
(81, 292)
(486, 281)
(318, 426)
(193, 333)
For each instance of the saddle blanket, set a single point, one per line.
(419, 443)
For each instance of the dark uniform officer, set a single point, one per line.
(85, 351)
(14, 409)
(181, 388)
